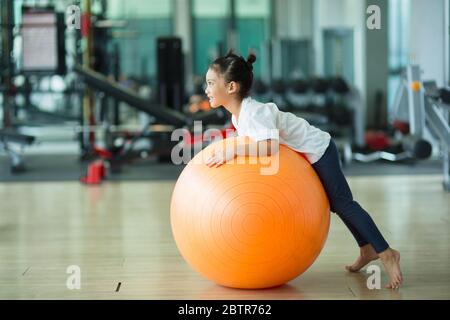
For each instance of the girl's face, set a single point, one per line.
(218, 92)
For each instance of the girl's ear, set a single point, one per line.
(233, 87)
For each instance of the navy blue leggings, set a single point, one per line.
(341, 201)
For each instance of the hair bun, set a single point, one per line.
(250, 60)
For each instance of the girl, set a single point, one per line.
(229, 80)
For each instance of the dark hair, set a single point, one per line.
(235, 68)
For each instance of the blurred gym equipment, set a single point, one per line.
(409, 144)
(9, 140)
(9, 133)
(420, 107)
(165, 120)
(437, 109)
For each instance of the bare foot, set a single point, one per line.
(391, 261)
(368, 254)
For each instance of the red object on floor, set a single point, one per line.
(103, 153)
(377, 140)
(95, 174)
(402, 126)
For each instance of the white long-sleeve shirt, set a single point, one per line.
(262, 121)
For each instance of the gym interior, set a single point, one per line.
(103, 107)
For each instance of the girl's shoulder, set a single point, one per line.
(257, 107)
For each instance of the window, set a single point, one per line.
(213, 22)
(253, 30)
(210, 19)
(146, 21)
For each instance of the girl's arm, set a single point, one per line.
(262, 148)
(253, 149)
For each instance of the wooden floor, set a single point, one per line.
(120, 233)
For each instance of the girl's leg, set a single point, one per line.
(358, 237)
(356, 218)
(341, 200)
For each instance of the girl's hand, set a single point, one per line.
(220, 156)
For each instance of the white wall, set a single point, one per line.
(211, 8)
(182, 23)
(123, 9)
(341, 14)
(294, 19)
(427, 38)
(253, 8)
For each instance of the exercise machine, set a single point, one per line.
(9, 134)
(437, 110)
(9, 140)
(166, 120)
(409, 110)
(420, 108)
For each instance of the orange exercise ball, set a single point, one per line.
(242, 229)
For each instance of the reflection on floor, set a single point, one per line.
(120, 233)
